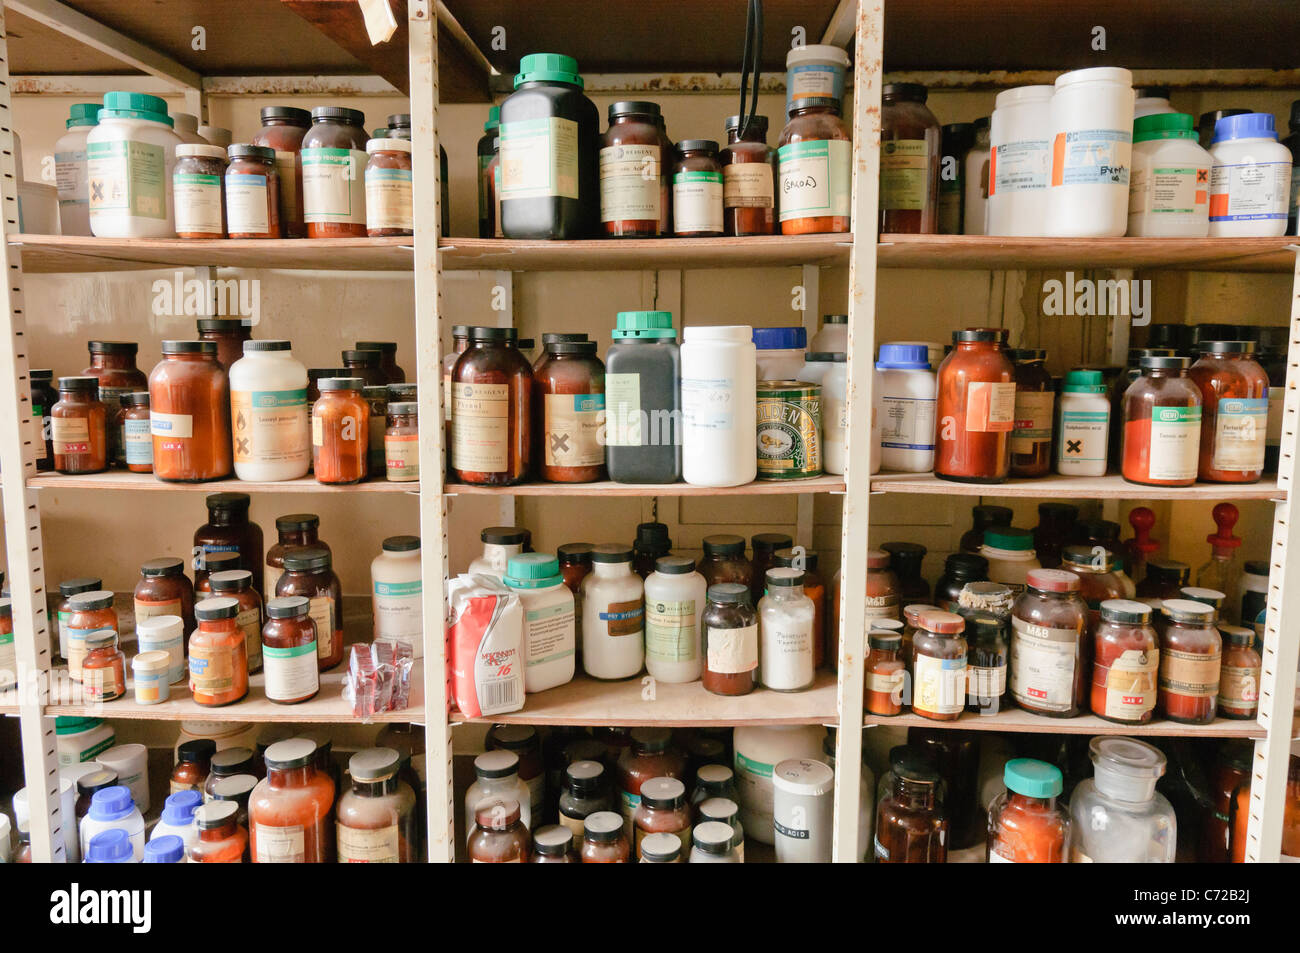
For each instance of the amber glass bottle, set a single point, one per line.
(189, 414)
(635, 164)
(340, 430)
(910, 140)
(79, 427)
(976, 409)
(1031, 438)
(748, 178)
(491, 424)
(814, 161)
(569, 413)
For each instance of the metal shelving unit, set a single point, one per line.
(437, 49)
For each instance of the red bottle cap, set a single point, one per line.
(1225, 517)
(1052, 580)
(877, 559)
(944, 623)
(1142, 520)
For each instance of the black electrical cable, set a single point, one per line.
(751, 60)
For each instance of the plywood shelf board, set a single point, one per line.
(1017, 720)
(124, 480)
(823, 484)
(1110, 487)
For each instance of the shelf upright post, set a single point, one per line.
(423, 30)
(19, 436)
(1281, 628)
(867, 75)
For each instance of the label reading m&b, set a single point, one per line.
(815, 179)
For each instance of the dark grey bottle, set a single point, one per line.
(643, 400)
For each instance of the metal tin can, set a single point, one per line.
(789, 430)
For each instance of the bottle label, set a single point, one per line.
(1033, 423)
(1175, 443)
(1250, 191)
(321, 611)
(732, 651)
(1043, 663)
(623, 418)
(279, 845)
(1190, 674)
(247, 207)
(882, 852)
(368, 846)
(70, 179)
(1131, 684)
(815, 179)
(212, 670)
(904, 175)
(197, 201)
(748, 185)
(138, 442)
(171, 427)
(480, 433)
(270, 426)
(707, 404)
(1084, 435)
(539, 159)
(1169, 190)
(1020, 166)
(286, 167)
(147, 608)
(630, 183)
(1241, 428)
(996, 858)
(880, 607)
(290, 673)
(940, 685)
(70, 434)
(1238, 687)
(548, 634)
(990, 406)
(697, 202)
(402, 457)
(891, 684)
(388, 199)
(1092, 157)
(670, 634)
(907, 423)
(399, 609)
(786, 652)
(101, 684)
(814, 81)
(249, 621)
(127, 177)
(42, 425)
(624, 618)
(573, 427)
(986, 681)
(333, 186)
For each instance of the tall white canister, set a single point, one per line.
(1020, 139)
(719, 419)
(1092, 145)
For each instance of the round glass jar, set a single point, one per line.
(604, 839)
(1191, 654)
(724, 561)
(697, 189)
(882, 589)
(252, 192)
(814, 587)
(585, 792)
(289, 654)
(113, 363)
(333, 159)
(651, 755)
(635, 176)
(1049, 624)
(553, 844)
(499, 836)
(1027, 825)
(491, 424)
(814, 169)
(939, 665)
(976, 408)
(1100, 578)
(229, 335)
(569, 413)
(308, 572)
(44, 397)
(237, 584)
(388, 188)
(749, 174)
(662, 810)
(282, 130)
(79, 427)
(402, 443)
(393, 373)
(377, 821)
(189, 414)
(226, 561)
(228, 529)
(198, 191)
(164, 589)
(1234, 412)
(90, 613)
(1161, 425)
(1031, 437)
(340, 431)
(729, 640)
(909, 161)
(103, 670)
(786, 635)
(885, 674)
(1126, 659)
(63, 611)
(294, 531)
(290, 812)
(1239, 674)
(137, 442)
(958, 570)
(218, 657)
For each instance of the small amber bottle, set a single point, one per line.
(340, 431)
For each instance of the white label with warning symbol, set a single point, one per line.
(1083, 440)
(271, 426)
(574, 423)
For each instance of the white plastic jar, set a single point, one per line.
(178, 818)
(975, 196)
(499, 544)
(814, 72)
(1020, 137)
(1092, 145)
(187, 128)
(613, 614)
(131, 765)
(67, 805)
(779, 352)
(549, 638)
(714, 842)
(151, 676)
(1168, 197)
(905, 404)
(719, 406)
(398, 593)
(129, 156)
(269, 413)
(81, 739)
(112, 808)
(674, 602)
(164, 633)
(1250, 184)
(815, 366)
(758, 750)
(803, 811)
(833, 337)
(1151, 101)
(835, 416)
(1082, 425)
(496, 774)
(1010, 553)
(70, 169)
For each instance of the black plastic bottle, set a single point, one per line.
(643, 440)
(549, 152)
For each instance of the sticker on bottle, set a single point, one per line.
(1092, 157)
(1033, 420)
(377, 845)
(127, 177)
(70, 435)
(170, 426)
(388, 199)
(279, 845)
(630, 188)
(572, 430)
(732, 651)
(480, 427)
(624, 618)
(670, 634)
(1175, 443)
(321, 611)
(286, 167)
(249, 622)
(880, 607)
(399, 608)
(148, 608)
(548, 634)
(138, 442)
(196, 198)
(939, 685)
(890, 684)
(101, 684)
(402, 457)
(1043, 661)
(333, 186)
(1084, 437)
(748, 185)
(815, 178)
(1250, 192)
(538, 159)
(248, 209)
(1238, 687)
(1131, 684)
(212, 669)
(697, 202)
(813, 81)
(904, 175)
(1240, 432)
(1021, 166)
(623, 417)
(707, 404)
(907, 423)
(1190, 674)
(990, 406)
(270, 426)
(71, 180)
(1169, 190)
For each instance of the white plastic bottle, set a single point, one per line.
(1020, 136)
(549, 639)
(187, 127)
(70, 169)
(719, 396)
(1083, 425)
(613, 614)
(1151, 101)
(499, 544)
(835, 416)
(1250, 184)
(1092, 145)
(496, 774)
(113, 808)
(178, 818)
(976, 197)
(397, 591)
(758, 750)
(905, 404)
(780, 352)
(1168, 197)
(833, 337)
(674, 602)
(815, 366)
(269, 414)
(129, 156)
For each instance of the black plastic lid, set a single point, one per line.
(1100, 529)
(340, 383)
(770, 542)
(400, 408)
(164, 566)
(288, 607)
(1237, 634)
(603, 827)
(707, 146)
(885, 641)
(757, 124)
(1226, 347)
(401, 544)
(1126, 611)
(248, 150)
(375, 392)
(584, 776)
(218, 607)
(783, 577)
(499, 335)
(221, 561)
(320, 373)
(1019, 355)
(296, 752)
(787, 557)
(663, 794)
(651, 739)
(526, 344)
(460, 330)
(574, 553)
(354, 117)
(310, 559)
(1168, 570)
(40, 374)
(724, 544)
(190, 347)
(633, 107)
(113, 347)
(914, 763)
(288, 114)
(220, 325)
(1256, 567)
(92, 600)
(580, 348)
(296, 522)
(552, 337)
(383, 347)
(262, 345)
(230, 761)
(1164, 363)
(652, 538)
(729, 593)
(990, 514)
(196, 751)
(905, 550)
(227, 501)
(675, 565)
(505, 535)
(98, 780)
(611, 553)
(366, 358)
(969, 565)
(70, 587)
(554, 840)
(79, 385)
(986, 335)
(402, 391)
(137, 398)
(907, 92)
(230, 580)
(398, 121)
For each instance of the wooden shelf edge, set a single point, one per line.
(1018, 721)
(823, 484)
(124, 480)
(1111, 486)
